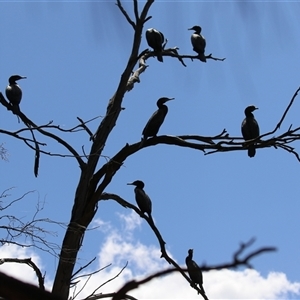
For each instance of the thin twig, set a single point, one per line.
(107, 281)
(123, 11)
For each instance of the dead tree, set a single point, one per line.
(94, 178)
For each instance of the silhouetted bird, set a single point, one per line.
(142, 199)
(13, 91)
(156, 120)
(198, 42)
(194, 270)
(250, 129)
(155, 40)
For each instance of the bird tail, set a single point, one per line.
(251, 151)
(203, 292)
(202, 57)
(151, 219)
(16, 109)
(202, 288)
(159, 57)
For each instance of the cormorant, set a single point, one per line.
(198, 42)
(13, 91)
(250, 128)
(194, 270)
(156, 120)
(142, 199)
(155, 40)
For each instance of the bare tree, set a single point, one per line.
(94, 178)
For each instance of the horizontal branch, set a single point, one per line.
(133, 284)
(32, 126)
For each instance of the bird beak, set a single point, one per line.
(256, 108)
(170, 99)
(130, 183)
(190, 28)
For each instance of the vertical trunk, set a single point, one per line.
(84, 207)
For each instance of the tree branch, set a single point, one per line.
(133, 284)
(16, 228)
(123, 11)
(107, 281)
(29, 123)
(31, 264)
(287, 109)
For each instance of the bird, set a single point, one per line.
(194, 270)
(13, 91)
(156, 120)
(250, 128)
(198, 42)
(155, 40)
(142, 199)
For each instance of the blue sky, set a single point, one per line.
(73, 54)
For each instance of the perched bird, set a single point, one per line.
(156, 120)
(194, 270)
(155, 40)
(250, 128)
(198, 42)
(142, 199)
(13, 91)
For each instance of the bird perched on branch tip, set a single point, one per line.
(198, 42)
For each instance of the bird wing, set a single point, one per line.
(198, 42)
(154, 123)
(194, 272)
(250, 129)
(154, 39)
(13, 94)
(143, 201)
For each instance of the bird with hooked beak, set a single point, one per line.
(198, 42)
(13, 92)
(250, 129)
(156, 120)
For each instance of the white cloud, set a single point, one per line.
(120, 246)
(131, 221)
(19, 271)
(248, 284)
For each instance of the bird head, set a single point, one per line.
(190, 252)
(196, 28)
(163, 100)
(138, 183)
(12, 79)
(250, 109)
